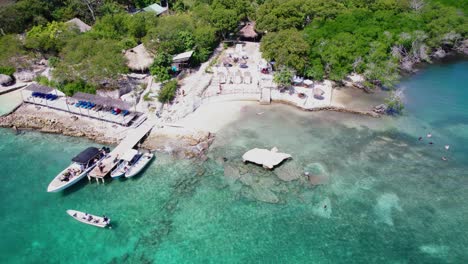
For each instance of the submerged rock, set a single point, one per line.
(435, 250)
(231, 173)
(323, 208)
(290, 171)
(316, 173)
(386, 203)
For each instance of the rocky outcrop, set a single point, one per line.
(188, 146)
(333, 108)
(24, 76)
(5, 80)
(380, 109)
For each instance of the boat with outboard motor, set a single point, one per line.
(125, 163)
(90, 219)
(81, 165)
(139, 164)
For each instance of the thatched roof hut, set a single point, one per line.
(82, 26)
(248, 31)
(101, 100)
(139, 59)
(35, 87)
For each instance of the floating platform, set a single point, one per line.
(267, 158)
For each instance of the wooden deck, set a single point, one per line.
(131, 140)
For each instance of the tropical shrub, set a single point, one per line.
(168, 91)
(7, 70)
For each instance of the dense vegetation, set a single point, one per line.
(332, 38)
(168, 91)
(315, 38)
(95, 58)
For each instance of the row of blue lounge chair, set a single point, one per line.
(118, 111)
(85, 105)
(50, 97)
(89, 105)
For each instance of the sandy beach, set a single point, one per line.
(214, 116)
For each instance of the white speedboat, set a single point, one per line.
(125, 163)
(89, 219)
(81, 165)
(139, 165)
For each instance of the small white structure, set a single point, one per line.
(181, 60)
(267, 158)
(308, 82)
(182, 57)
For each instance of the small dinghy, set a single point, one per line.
(125, 163)
(89, 219)
(139, 164)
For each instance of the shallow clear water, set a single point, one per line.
(385, 197)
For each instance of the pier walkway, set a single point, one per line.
(133, 137)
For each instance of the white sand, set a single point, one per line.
(356, 99)
(214, 116)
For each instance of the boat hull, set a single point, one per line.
(118, 172)
(118, 175)
(57, 185)
(83, 218)
(139, 165)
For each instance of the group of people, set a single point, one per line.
(90, 218)
(447, 147)
(104, 153)
(70, 173)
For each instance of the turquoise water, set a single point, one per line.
(385, 197)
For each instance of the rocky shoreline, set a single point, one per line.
(331, 108)
(43, 124)
(181, 144)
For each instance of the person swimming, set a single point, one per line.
(419, 138)
(429, 135)
(444, 158)
(447, 147)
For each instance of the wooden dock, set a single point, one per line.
(134, 137)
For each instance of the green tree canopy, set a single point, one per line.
(50, 38)
(283, 76)
(13, 53)
(168, 91)
(287, 48)
(95, 61)
(172, 34)
(161, 67)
